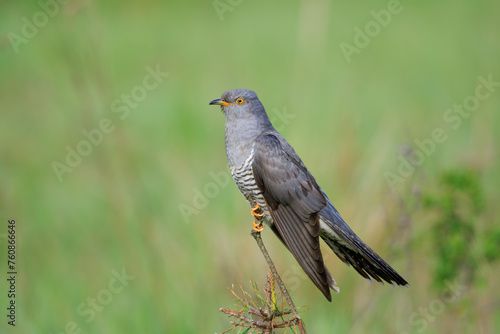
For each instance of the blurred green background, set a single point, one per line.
(151, 198)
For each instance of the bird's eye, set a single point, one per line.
(240, 101)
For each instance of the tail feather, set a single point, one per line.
(331, 282)
(353, 251)
(367, 263)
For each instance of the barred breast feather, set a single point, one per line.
(245, 180)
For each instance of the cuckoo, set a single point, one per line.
(285, 196)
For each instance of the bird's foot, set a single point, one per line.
(255, 213)
(258, 226)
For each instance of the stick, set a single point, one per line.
(277, 277)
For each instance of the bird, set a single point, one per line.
(284, 195)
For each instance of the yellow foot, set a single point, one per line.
(254, 213)
(258, 226)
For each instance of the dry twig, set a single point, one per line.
(265, 314)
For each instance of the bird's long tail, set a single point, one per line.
(353, 251)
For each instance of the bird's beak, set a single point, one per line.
(221, 102)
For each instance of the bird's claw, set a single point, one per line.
(255, 213)
(258, 226)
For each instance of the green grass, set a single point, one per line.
(119, 208)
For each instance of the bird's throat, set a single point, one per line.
(239, 144)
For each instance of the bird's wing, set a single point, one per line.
(294, 200)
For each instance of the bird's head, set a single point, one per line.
(239, 103)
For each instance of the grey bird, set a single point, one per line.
(283, 194)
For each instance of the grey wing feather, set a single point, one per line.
(294, 200)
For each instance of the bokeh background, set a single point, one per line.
(150, 200)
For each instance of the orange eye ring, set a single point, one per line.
(240, 101)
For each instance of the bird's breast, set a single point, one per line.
(245, 180)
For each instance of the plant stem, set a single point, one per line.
(274, 272)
